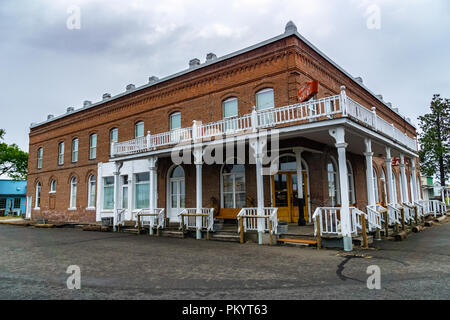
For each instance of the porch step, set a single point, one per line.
(171, 233)
(129, 230)
(225, 236)
(298, 241)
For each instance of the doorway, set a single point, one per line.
(285, 196)
(177, 193)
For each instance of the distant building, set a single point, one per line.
(12, 197)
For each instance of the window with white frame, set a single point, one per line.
(53, 186)
(139, 129)
(113, 135)
(375, 185)
(400, 180)
(108, 193)
(394, 187)
(332, 182)
(61, 153)
(230, 107)
(142, 187)
(73, 193)
(265, 99)
(75, 150)
(383, 184)
(91, 191)
(38, 195)
(40, 155)
(175, 121)
(124, 192)
(351, 184)
(93, 146)
(233, 186)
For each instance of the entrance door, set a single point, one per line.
(177, 194)
(285, 196)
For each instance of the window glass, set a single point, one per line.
(233, 186)
(108, 193)
(92, 186)
(265, 99)
(178, 172)
(53, 186)
(332, 183)
(175, 121)
(230, 107)
(288, 163)
(74, 150)
(93, 146)
(38, 195)
(40, 154)
(114, 135)
(17, 203)
(61, 153)
(73, 193)
(375, 185)
(142, 190)
(139, 129)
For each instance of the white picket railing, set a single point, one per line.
(330, 222)
(324, 108)
(433, 207)
(250, 219)
(394, 214)
(121, 217)
(153, 218)
(374, 217)
(409, 212)
(188, 218)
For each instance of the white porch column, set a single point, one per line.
(369, 173)
(152, 196)
(298, 158)
(339, 135)
(198, 153)
(389, 176)
(403, 177)
(414, 180)
(117, 166)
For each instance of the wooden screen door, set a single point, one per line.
(285, 196)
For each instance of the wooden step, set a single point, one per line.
(172, 233)
(227, 237)
(300, 241)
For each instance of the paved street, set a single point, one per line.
(33, 265)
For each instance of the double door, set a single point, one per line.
(285, 196)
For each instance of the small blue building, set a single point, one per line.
(12, 197)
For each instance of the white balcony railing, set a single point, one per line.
(250, 219)
(321, 109)
(188, 219)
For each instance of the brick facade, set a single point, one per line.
(283, 65)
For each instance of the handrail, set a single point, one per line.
(394, 215)
(250, 218)
(188, 218)
(374, 217)
(121, 217)
(155, 217)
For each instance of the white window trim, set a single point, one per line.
(223, 109)
(135, 129)
(40, 157)
(38, 185)
(92, 148)
(90, 205)
(336, 181)
(375, 185)
(170, 121)
(75, 151)
(135, 183)
(61, 155)
(103, 197)
(263, 91)
(72, 195)
(351, 177)
(222, 193)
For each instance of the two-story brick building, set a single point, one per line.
(337, 145)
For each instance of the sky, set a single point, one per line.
(56, 54)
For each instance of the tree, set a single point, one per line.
(434, 140)
(13, 161)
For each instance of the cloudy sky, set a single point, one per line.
(46, 67)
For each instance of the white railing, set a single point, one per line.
(250, 219)
(121, 217)
(419, 208)
(433, 207)
(153, 218)
(188, 218)
(374, 217)
(330, 222)
(409, 212)
(394, 214)
(324, 108)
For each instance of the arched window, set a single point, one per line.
(175, 121)
(75, 150)
(61, 153)
(351, 184)
(73, 193)
(93, 146)
(230, 107)
(288, 163)
(38, 195)
(411, 188)
(375, 185)
(265, 99)
(233, 186)
(91, 191)
(333, 191)
(113, 135)
(40, 155)
(139, 129)
(53, 186)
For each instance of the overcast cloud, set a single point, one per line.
(45, 67)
